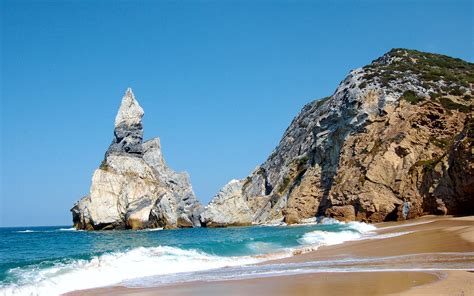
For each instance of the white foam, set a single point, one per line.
(354, 231)
(151, 229)
(326, 238)
(361, 227)
(271, 224)
(45, 231)
(112, 268)
(358, 226)
(312, 220)
(411, 262)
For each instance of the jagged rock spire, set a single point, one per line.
(130, 113)
(133, 187)
(128, 127)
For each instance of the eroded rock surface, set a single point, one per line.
(228, 208)
(134, 188)
(393, 142)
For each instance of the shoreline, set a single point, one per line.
(428, 235)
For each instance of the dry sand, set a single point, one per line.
(426, 235)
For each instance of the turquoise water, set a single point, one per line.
(25, 246)
(43, 257)
(55, 260)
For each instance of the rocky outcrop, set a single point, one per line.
(393, 142)
(228, 208)
(128, 132)
(134, 188)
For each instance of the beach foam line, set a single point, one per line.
(424, 262)
(112, 268)
(316, 239)
(327, 238)
(350, 231)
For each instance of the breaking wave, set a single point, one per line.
(112, 268)
(351, 231)
(60, 276)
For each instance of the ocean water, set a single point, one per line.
(55, 260)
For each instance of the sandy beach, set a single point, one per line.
(409, 243)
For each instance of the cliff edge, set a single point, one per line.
(393, 142)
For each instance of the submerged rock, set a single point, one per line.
(134, 188)
(393, 142)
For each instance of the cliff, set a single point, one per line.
(393, 142)
(134, 188)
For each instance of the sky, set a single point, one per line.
(219, 81)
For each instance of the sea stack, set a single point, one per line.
(134, 188)
(393, 142)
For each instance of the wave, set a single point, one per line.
(357, 226)
(62, 276)
(45, 231)
(326, 238)
(350, 231)
(112, 268)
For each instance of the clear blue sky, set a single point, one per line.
(219, 81)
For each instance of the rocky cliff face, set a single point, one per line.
(133, 188)
(393, 142)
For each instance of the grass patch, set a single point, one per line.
(104, 166)
(441, 143)
(322, 101)
(284, 185)
(411, 97)
(429, 164)
(428, 67)
(434, 96)
(448, 104)
(303, 160)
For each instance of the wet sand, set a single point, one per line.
(425, 235)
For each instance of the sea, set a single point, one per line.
(58, 259)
